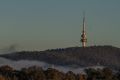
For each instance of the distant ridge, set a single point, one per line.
(73, 56)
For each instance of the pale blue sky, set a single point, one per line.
(47, 24)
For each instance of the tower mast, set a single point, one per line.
(83, 36)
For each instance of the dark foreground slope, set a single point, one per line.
(74, 56)
(38, 73)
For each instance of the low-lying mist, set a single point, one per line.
(26, 63)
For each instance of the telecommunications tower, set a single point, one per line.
(83, 35)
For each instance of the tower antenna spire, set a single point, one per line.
(84, 21)
(83, 36)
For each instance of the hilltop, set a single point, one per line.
(108, 56)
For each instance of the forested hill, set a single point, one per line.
(73, 56)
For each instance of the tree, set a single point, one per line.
(70, 76)
(53, 74)
(2, 77)
(35, 73)
(6, 68)
(108, 74)
(81, 77)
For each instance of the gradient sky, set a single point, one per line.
(47, 24)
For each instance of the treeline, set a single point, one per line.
(37, 73)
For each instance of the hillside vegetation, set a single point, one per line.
(74, 56)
